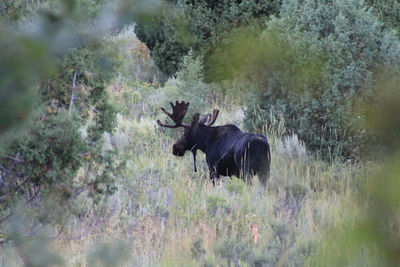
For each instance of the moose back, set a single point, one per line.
(229, 151)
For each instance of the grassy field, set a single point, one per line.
(165, 214)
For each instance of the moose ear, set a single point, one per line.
(195, 118)
(203, 119)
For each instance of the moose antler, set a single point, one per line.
(208, 120)
(178, 113)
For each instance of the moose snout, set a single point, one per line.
(178, 150)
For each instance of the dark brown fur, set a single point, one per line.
(229, 151)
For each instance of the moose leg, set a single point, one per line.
(213, 174)
(263, 178)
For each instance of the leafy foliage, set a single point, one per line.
(133, 57)
(189, 86)
(324, 73)
(48, 153)
(79, 86)
(22, 66)
(388, 11)
(197, 25)
(316, 63)
(44, 160)
(71, 111)
(15, 10)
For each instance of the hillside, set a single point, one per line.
(164, 213)
(88, 178)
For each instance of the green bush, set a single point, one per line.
(235, 185)
(234, 249)
(15, 10)
(388, 11)
(70, 111)
(317, 65)
(196, 25)
(134, 62)
(189, 86)
(215, 203)
(42, 162)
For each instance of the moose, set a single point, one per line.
(229, 151)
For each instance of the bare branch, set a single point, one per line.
(6, 217)
(16, 159)
(71, 102)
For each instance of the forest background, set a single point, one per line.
(88, 178)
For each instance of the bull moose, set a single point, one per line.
(229, 151)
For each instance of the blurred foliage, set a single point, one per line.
(30, 241)
(26, 60)
(21, 11)
(55, 76)
(109, 254)
(369, 234)
(383, 116)
(234, 249)
(17, 10)
(320, 65)
(196, 25)
(235, 185)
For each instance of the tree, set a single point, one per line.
(317, 65)
(197, 25)
(64, 112)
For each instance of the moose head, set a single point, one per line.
(191, 137)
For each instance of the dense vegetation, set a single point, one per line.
(87, 178)
(332, 59)
(316, 63)
(198, 25)
(53, 95)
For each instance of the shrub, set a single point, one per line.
(388, 11)
(196, 25)
(133, 57)
(41, 160)
(235, 185)
(189, 86)
(316, 65)
(15, 10)
(234, 250)
(42, 163)
(214, 203)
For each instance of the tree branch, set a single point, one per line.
(5, 218)
(71, 103)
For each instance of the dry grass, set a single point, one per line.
(164, 214)
(168, 215)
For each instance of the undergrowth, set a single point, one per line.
(169, 215)
(165, 214)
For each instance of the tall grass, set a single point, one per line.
(168, 215)
(165, 214)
